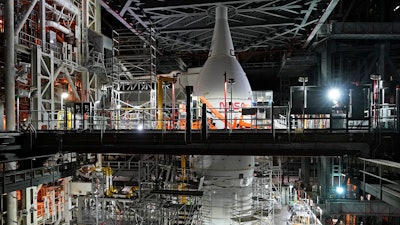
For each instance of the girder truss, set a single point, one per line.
(254, 24)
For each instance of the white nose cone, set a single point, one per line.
(211, 81)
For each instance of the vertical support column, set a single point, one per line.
(36, 89)
(97, 17)
(336, 175)
(43, 22)
(12, 206)
(85, 86)
(319, 176)
(160, 94)
(398, 109)
(80, 58)
(52, 94)
(326, 64)
(139, 180)
(189, 91)
(381, 59)
(9, 66)
(84, 46)
(30, 205)
(305, 170)
(204, 123)
(2, 116)
(67, 200)
(324, 173)
(380, 182)
(272, 120)
(364, 181)
(81, 209)
(99, 162)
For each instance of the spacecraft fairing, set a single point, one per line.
(228, 179)
(221, 66)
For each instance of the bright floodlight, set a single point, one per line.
(140, 127)
(339, 190)
(64, 95)
(334, 94)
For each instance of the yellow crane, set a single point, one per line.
(160, 81)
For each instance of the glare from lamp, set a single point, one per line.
(64, 95)
(140, 127)
(339, 190)
(334, 94)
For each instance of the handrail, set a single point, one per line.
(144, 118)
(121, 164)
(16, 176)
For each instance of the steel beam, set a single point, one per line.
(25, 17)
(365, 36)
(321, 21)
(142, 142)
(9, 66)
(12, 207)
(364, 208)
(122, 20)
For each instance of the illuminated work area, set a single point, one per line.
(204, 113)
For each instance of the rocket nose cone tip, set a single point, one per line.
(221, 12)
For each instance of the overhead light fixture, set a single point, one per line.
(334, 94)
(303, 79)
(64, 95)
(339, 190)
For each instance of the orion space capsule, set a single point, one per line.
(222, 66)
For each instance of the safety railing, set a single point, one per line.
(145, 118)
(385, 117)
(27, 170)
(121, 165)
(28, 40)
(266, 118)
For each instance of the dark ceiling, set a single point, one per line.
(265, 33)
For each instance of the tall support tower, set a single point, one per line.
(56, 59)
(134, 74)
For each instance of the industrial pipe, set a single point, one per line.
(68, 5)
(9, 67)
(58, 27)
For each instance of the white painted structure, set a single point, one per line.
(221, 67)
(228, 179)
